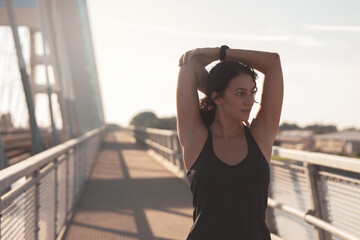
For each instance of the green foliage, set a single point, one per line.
(274, 157)
(113, 127)
(316, 128)
(350, 129)
(319, 129)
(150, 120)
(356, 154)
(288, 126)
(143, 119)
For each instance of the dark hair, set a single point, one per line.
(217, 81)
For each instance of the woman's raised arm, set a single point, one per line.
(265, 125)
(192, 76)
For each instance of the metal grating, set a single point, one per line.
(47, 207)
(61, 195)
(289, 185)
(37, 207)
(293, 228)
(343, 202)
(18, 217)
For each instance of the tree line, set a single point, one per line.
(150, 120)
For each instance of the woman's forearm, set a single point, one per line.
(196, 71)
(201, 74)
(265, 62)
(262, 61)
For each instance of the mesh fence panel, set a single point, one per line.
(47, 207)
(18, 217)
(293, 228)
(289, 185)
(38, 210)
(343, 202)
(61, 195)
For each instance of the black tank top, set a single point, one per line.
(229, 201)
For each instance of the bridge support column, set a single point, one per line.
(36, 137)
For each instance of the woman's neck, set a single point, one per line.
(226, 128)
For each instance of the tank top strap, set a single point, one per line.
(248, 136)
(252, 144)
(209, 133)
(208, 142)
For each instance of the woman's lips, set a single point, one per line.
(246, 111)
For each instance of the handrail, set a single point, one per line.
(311, 219)
(11, 174)
(47, 187)
(321, 159)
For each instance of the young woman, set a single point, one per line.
(226, 158)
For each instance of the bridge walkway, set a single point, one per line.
(130, 196)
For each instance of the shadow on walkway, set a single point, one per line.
(130, 196)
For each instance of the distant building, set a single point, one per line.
(295, 139)
(345, 142)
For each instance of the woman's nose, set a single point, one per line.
(249, 100)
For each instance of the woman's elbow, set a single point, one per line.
(275, 57)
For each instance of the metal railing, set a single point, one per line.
(39, 193)
(311, 195)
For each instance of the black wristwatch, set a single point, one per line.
(222, 54)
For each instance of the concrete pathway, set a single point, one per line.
(130, 196)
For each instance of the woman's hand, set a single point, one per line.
(204, 55)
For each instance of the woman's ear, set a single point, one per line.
(215, 97)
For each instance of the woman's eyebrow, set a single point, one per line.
(244, 88)
(240, 89)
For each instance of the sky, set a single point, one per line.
(138, 44)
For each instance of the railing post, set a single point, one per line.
(270, 216)
(56, 197)
(74, 195)
(177, 150)
(37, 204)
(67, 180)
(1, 217)
(317, 198)
(85, 165)
(169, 145)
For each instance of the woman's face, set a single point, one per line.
(238, 98)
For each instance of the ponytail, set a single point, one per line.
(207, 110)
